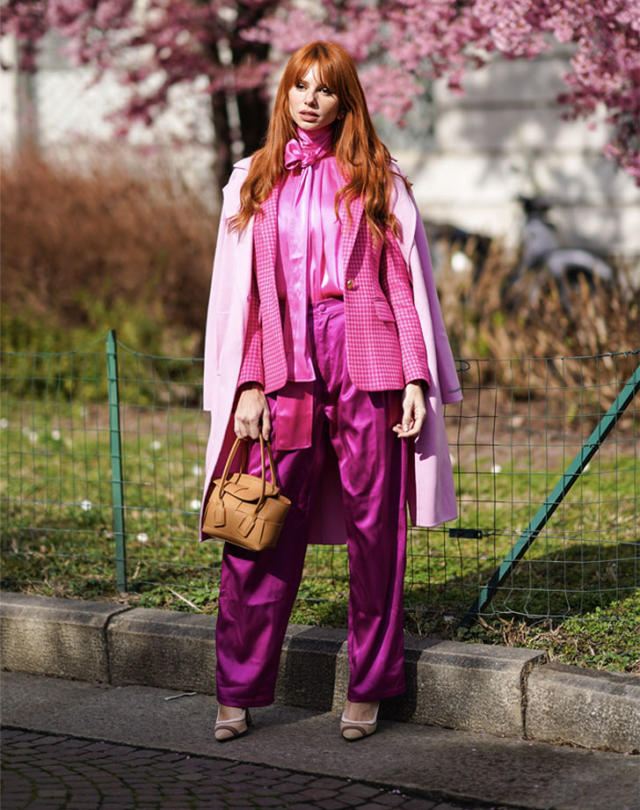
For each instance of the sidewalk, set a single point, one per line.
(113, 777)
(158, 753)
(504, 691)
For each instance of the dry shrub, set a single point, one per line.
(499, 316)
(81, 243)
(83, 246)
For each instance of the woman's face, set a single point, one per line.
(311, 103)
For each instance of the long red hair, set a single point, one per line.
(361, 156)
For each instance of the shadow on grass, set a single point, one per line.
(556, 584)
(78, 561)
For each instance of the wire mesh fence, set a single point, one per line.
(520, 424)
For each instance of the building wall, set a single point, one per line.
(73, 123)
(506, 137)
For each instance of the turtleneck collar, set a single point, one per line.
(309, 147)
(320, 137)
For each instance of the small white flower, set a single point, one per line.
(142, 537)
(85, 505)
(30, 434)
(195, 505)
(496, 468)
(196, 469)
(449, 618)
(4, 424)
(156, 445)
(56, 435)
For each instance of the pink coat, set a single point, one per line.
(432, 498)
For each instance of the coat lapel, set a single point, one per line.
(265, 241)
(266, 232)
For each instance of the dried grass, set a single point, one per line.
(77, 241)
(498, 317)
(80, 245)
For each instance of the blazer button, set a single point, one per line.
(349, 284)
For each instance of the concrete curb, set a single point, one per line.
(473, 687)
(162, 648)
(61, 637)
(597, 712)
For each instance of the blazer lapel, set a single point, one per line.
(265, 236)
(351, 228)
(265, 232)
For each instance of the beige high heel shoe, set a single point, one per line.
(357, 729)
(232, 729)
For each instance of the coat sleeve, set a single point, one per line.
(431, 494)
(415, 250)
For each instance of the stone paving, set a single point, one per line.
(60, 772)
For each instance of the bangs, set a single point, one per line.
(328, 71)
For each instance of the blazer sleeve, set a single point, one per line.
(252, 367)
(396, 285)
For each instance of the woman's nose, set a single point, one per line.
(310, 98)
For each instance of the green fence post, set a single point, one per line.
(115, 445)
(555, 498)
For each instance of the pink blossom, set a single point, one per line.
(398, 44)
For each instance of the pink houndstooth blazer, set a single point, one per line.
(384, 342)
(233, 307)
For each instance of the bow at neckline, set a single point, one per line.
(309, 147)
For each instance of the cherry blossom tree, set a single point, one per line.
(156, 45)
(406, 42)
(228, 50)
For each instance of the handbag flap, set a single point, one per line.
(248, 488)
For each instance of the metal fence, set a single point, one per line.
(99, 495)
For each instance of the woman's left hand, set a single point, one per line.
(413, 411)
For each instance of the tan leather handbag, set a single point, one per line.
(244, 509)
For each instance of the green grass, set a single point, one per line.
(605, 638)
(57, 536)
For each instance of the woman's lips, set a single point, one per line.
(310, 116)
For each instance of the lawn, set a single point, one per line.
(576, 592)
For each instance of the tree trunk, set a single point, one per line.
(253, 105)
(253, 112)
(28, 135)
(223, 164)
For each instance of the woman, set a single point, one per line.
(324, 333)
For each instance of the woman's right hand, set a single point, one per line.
(252, 413)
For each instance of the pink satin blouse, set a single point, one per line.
(308, 265)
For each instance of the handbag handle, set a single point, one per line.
(231, 456)
(267, 443)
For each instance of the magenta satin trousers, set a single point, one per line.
(258, 589)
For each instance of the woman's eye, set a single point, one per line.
(327, 91)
